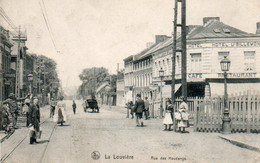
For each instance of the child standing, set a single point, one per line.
(168, 116)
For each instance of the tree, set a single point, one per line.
(91, 79)
(46, 69)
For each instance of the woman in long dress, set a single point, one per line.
(182, 116)
(168, 116)
(60, 112)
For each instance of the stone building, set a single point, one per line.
(207, 45)
(6, 75)
(138, 70)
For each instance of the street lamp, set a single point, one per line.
(225, 65)
(161, 75)
(30, 79)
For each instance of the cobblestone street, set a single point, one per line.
(118, 139)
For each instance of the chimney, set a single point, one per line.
(207, 19)
(160, 38)
(258, 28)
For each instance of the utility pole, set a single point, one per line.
(182, 50)
(174, 37)
(17, 79)
(184, 54)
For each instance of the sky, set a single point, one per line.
(100, 33)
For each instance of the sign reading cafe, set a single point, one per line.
(225, 44)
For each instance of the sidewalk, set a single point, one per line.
(243, 140)
(4, 135)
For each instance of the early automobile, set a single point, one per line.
(91, 103)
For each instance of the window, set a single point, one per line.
(249, 58)
(216, 30)
(195, 62)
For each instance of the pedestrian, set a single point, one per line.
(52, 107)
(182, 116)
(5, 118)
(130, 108)
(168, 119)
(26, 108)
(146, 104)
(139, 110)
(84, 105)
(14, 110)
(60, 113)
(34, 120)
(74, 106)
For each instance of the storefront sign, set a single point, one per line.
(226, 45)
(238, 75)
(195, 75)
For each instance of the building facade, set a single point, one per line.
(207, 45)
(138, 71)
(6, 76)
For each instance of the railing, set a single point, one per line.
(193, 104)
(244, 113)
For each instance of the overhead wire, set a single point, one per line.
(47, 25)
(7, 19)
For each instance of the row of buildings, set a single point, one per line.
(18, 69)
(207, 45)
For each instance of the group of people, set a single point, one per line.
(172, 114)
(139, 109)
(30, 108)
(178, 114)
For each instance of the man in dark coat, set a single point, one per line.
(139, 109)
(34, 119)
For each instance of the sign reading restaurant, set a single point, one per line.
(225, 45)
(238, 75)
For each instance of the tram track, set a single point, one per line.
(6, 156)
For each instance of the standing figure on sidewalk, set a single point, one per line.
(146, 106)
(14, 110)
(139, 110)
(74, 106)
(60, 113)
(168, 119)
(130, 106)
(34, 120)
(52, 107)
(5, 118)
(182, 116)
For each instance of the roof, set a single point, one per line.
(217, 29)
(213, 29)
(101, 87)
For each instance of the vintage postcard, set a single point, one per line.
(157, 81)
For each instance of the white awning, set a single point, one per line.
(166, 90)
(217, 89)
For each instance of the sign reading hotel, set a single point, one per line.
(238, 75)
(225, 45)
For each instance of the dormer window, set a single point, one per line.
(216, 30)
(226, 30)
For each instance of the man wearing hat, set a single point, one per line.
(12, 103)
(139, 108)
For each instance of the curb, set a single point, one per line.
(241, 145)
(7, 136)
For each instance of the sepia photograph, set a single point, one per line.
(142, 81)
